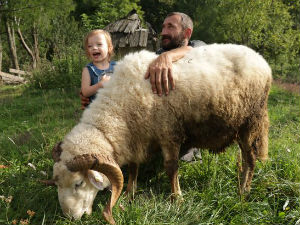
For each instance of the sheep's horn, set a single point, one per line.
(108, 167)
(56, 151)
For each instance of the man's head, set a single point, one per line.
(176, 30)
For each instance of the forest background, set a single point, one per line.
(45, 37)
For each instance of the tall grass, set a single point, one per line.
(32, 121)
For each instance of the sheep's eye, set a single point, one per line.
(78, 184)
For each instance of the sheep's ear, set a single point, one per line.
(56, 152)
(96, 179)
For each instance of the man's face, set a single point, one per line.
(172, 34)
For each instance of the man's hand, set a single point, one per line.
(84, 101)
(160, 74)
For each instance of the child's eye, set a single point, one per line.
(99, 44)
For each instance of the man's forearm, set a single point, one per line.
(178, 53)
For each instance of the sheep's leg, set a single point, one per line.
(254, 144)
(248, 165)
(171, 167)
(132, 179)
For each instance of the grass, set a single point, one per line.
(32, 121)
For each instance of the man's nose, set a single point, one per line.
(163, 31)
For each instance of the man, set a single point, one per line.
(176, 32)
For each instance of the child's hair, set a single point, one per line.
(107, 38)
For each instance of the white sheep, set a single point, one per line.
(220, 97)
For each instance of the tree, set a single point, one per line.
(107, 11)
(156, 11)
(266, 26)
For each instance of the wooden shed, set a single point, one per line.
(128, 35)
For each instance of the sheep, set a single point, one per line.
(220, 97)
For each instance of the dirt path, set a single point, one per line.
(294, 88)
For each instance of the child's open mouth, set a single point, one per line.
(97, 54)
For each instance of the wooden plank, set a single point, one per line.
(131, 27)
(124, 25)
(134, 39)
(21, 72)
(143, 37)
(122, 42)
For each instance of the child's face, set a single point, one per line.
(97, 48)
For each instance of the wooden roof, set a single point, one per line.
(128, 32)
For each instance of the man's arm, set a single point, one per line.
(160, 70)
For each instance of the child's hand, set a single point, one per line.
(84, 100)
(105, 78)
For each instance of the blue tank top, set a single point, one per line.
(97, 74)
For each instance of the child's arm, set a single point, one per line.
(86, 87)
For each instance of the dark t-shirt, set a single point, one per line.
(194, 43)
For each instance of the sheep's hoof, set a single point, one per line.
(129, 195)
(177, 198)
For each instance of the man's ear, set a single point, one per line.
(96, 179)
(188, 33)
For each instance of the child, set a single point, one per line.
(99, 49)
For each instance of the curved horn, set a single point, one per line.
(56, 151)
(108, 167)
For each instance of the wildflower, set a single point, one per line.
(8, 199)
(43, 173)
(14, 222)
(32, 166)
(30, 213)
(24, 222)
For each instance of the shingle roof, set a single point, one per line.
(128, 32)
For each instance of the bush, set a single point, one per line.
(59, 73)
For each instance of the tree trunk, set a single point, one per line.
(1, 49)
(36, 45)
(12, 44)
(29, 51)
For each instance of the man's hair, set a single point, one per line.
(186, 21)
(107, 38)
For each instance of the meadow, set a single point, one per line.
(32, 121)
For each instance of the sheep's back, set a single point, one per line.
(217, 86)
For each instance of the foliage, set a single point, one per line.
(109, 11)
(32, 121)
(63, 72)
(270, 27)
(156, 11)
(266, 26)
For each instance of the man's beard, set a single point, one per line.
(174, 42)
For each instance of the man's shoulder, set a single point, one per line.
(196, 43)
(193, 43)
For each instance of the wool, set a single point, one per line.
(220, 98)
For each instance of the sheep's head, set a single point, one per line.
(79, 180)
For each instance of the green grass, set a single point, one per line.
(32, 121)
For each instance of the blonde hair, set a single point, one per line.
(107, 38)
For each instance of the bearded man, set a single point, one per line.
(176, 32)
